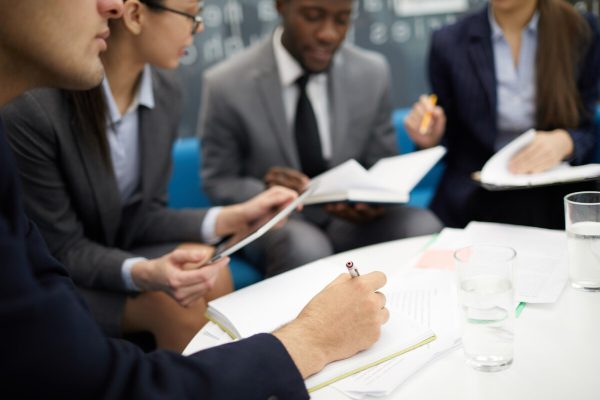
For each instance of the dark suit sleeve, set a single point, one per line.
(48, 201)
(52, 349)
(382, 139)
(223, 153)
(584, 137)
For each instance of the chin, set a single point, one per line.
(86, 77)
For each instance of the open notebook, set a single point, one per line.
(271, 303)
(496, 176)
(390, 180)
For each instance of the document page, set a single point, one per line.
(429, 297)
(405, 171)
(541, 266)
(495, 171)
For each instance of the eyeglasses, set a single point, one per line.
(197, 20)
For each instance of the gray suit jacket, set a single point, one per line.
(244, 130)
(73, 196)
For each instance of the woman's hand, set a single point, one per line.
(253, 212)
(171, 274)
(546, 150)
(434, 132)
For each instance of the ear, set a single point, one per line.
(133, 16)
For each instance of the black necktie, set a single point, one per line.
(308, 141)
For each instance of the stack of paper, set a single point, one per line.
(541, 265)
(429, 297)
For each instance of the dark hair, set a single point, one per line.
(90, 112)
(564, 37)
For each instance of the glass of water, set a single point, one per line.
(582, 223)
(487, 303)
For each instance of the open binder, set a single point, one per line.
(390, 180)
(273, 302)
(496, 176)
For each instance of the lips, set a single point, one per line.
(320, 54)
(103, 35)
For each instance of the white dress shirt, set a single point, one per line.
(316, 90)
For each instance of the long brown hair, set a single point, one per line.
(564, 36)
(90, 112)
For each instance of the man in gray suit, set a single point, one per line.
(291, 107)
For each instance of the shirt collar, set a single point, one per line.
(289, 68)
(144, 96)
(532, 25)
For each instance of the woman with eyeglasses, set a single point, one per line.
(95, 167)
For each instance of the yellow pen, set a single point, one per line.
(426, 121)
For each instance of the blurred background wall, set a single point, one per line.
(400, 29)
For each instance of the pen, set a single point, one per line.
(352, 269)
(426, 121)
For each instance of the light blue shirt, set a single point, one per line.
(123, 139)
(515, 84)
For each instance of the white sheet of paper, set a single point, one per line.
(495, 171)
(430, 298)
(541, 265)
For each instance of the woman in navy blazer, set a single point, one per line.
(515, 65)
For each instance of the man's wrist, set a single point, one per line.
(229, 220)
(140, 274)
(302, 344)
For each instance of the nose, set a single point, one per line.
(328, 32)
(110, 9)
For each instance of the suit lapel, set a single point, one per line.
(338, 90)
(481, 56)
(102, 183)
(270, 93)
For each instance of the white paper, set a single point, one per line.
(541, 269)
(390, 180)
(430, 298)
(495, 171)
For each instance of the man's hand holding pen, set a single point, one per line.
(343, 319)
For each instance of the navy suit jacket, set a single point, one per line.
(462, 74)
(51, 348)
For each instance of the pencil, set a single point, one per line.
(426, 121)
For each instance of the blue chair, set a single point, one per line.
(185, 191)
(422, 194)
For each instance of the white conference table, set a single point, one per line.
(556, 356)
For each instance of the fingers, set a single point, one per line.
(287, 177)
(381, 299)
(180, 257)
(373, 281)
(540, 155)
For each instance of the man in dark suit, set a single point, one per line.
(50, 345)
(297, 103)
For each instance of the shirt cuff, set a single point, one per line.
(126, 273)
(209, 225)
